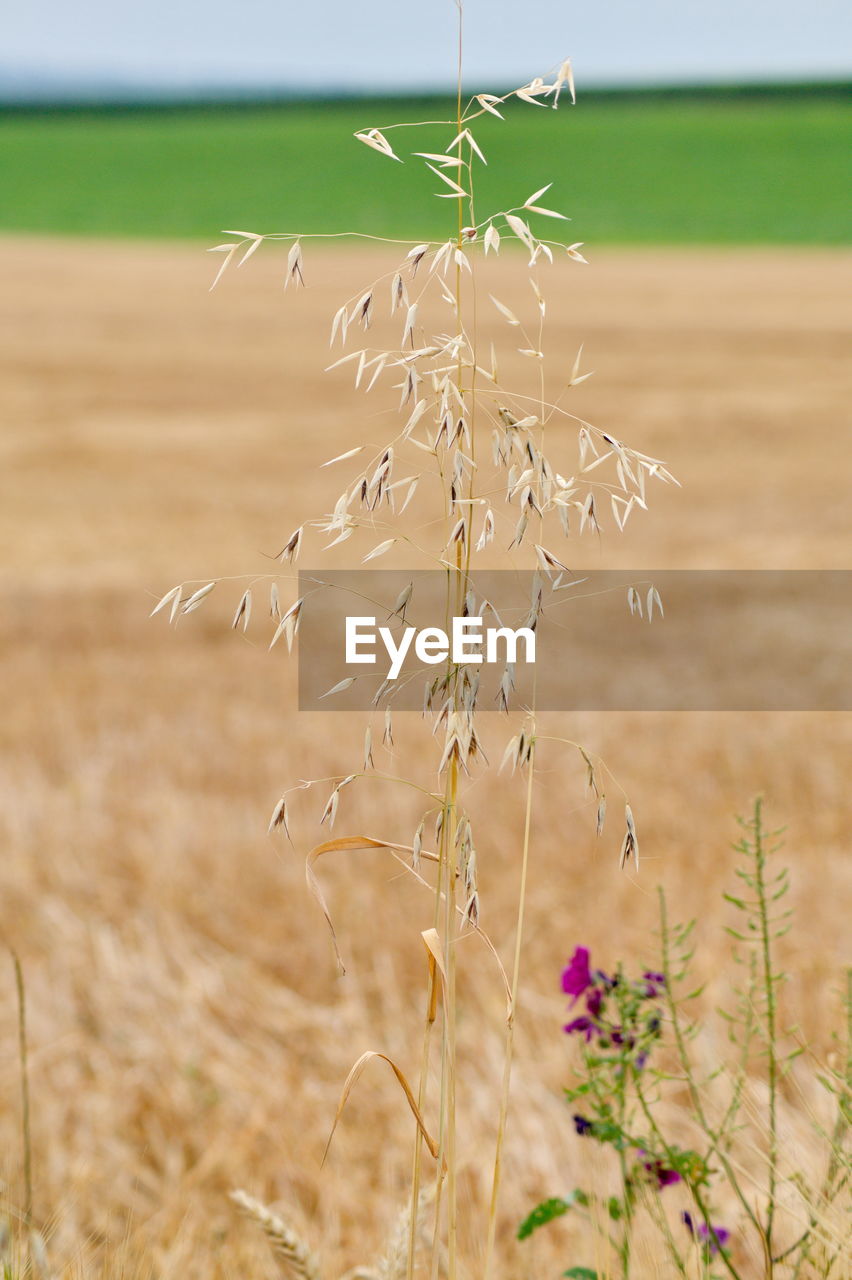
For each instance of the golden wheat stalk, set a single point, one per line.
(289, 1246)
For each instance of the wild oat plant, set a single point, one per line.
(634, 1037)
(471, 466)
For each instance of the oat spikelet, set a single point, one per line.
(297, 1258)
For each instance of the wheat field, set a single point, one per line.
(189, 1033)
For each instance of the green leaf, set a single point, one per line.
(581, 1273)
(580, 1091)
(542, 1214)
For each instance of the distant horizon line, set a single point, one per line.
(99, 97)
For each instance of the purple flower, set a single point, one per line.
(582, 1125)
(577, 977)
(712, 1238)
(594, 1000)
(581, 1024)
(654, 984)
(641, 1059)
(663, 1176)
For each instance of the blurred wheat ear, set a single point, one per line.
(286, 1243)
(301, 1263)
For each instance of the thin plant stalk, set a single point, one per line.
(510, 1024)
(683, 1058)
(450, 904)
(416, 1170)
(700, 1202)
(771, 1043)
(26, 1137)
(835, 1179)
(508, 1051)
(451, 814)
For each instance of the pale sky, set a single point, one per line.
(401, 44)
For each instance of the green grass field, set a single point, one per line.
(674, 170)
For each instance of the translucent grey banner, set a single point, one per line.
(613, 640)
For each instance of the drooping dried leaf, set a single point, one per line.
(350, 1083)
(347, 844)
